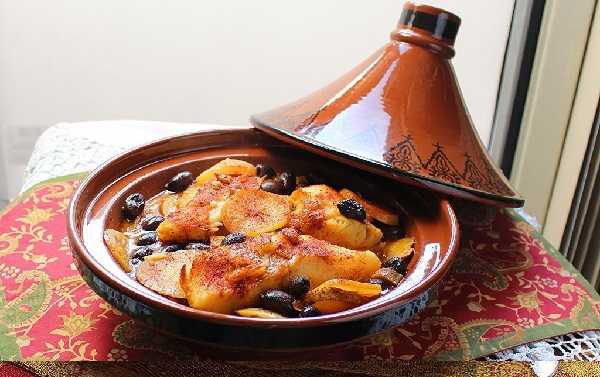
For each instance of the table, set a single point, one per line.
(68, 148)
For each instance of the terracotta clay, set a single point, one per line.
(96, 205)
(400, 114)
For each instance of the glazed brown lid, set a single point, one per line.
(400, 114)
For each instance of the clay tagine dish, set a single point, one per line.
(98, 207)
(400, 114)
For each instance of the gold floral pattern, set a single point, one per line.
(35, 216)
(527, 300)
(74, 325)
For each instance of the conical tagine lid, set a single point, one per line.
(400, 114)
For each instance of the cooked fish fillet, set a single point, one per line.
(315, 212)
(230, 277)
(201, 217)
(321, 261)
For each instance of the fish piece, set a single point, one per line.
(315, 213)
(230, 277)
(320, 261)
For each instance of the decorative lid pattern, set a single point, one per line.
(400, 114)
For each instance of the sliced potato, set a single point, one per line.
(332, 306)
(258, 313)
(153, 205)
(255, 212)
(344, 290)
(373, 210)
(160, 272)
(228, 166)
(400, 248)
(117, 245)
(168, 204)
(201, 217)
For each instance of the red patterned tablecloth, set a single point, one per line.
(507, 287)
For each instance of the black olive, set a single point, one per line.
(352, 209)
(272, 185)
(180, 181)
(147, 238)
(171, 248)
(152, 222)
(135, 261)
(309, 311)
(279, 302)
(134, 204)
(288, 180)
(398, 264)
(198, 246)
(315, 178)
(299, 286)
(265, 171)
(141, 253)
(392, 233)
(232, 238)
(302, 181)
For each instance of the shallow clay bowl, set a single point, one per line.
(95, 206)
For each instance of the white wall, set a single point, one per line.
(214, 62)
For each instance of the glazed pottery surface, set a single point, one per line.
(400, 114)
(96, 206)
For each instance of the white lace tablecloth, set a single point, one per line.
(69, 148)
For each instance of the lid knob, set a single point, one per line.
(428, 26)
